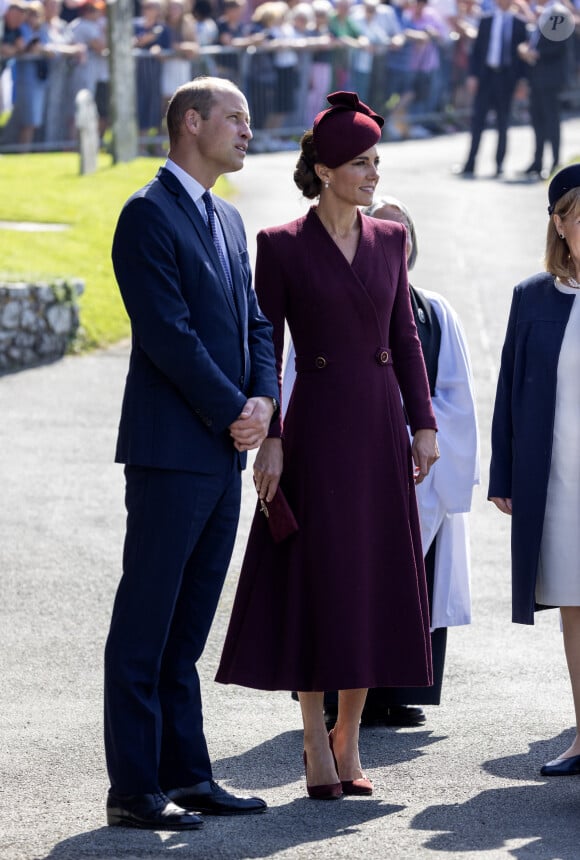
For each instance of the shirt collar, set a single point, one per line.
(194, 188)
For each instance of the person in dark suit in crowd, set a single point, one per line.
(342, 603)
(494, 69)
(444, 497)
(535, 459)
(200, 393)
(546, 62)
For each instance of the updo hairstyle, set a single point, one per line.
(304, 175)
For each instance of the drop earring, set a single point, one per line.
(326, 184)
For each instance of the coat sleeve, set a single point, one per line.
(270, 278)
(264, 381)
(477, 49)
(500, 480)
(551, 53)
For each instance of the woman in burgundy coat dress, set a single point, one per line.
(342, 603)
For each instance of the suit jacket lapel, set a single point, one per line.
(193, 213)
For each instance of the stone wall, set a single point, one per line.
(38, 322)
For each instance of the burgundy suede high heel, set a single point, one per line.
(332, 791)
(361, 786)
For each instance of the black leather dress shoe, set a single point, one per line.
(393, 715)
(467, 172)
(211, 799)
(562, 767)
(330, 716)
(149, 812)
(531, 173)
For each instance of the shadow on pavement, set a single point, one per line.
(542, 811)
(278, 761)
(297, 823)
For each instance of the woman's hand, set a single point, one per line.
(425, 452)
(268, 468)
(504, 505)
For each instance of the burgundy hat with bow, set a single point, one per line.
(345, 130)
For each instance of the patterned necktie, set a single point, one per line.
(206, 197)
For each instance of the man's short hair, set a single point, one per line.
(198, 95)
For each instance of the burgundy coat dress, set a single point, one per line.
(342, 603)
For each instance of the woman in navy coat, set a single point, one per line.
(535, 464)
(342, 604)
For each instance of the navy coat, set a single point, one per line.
(196, 354)
(523, 424)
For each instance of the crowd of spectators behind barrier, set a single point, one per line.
(408, 58)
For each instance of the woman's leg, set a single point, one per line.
(346, 731)
(320, 768)
(571, 627)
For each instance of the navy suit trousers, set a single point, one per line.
(495, 90)
(545, 116)
(181, 528)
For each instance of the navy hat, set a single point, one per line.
(565, 180)
(346, 129)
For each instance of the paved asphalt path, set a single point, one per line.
(467, 782)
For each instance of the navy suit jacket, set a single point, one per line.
(549, 72)
(197, 354)
(478, 56)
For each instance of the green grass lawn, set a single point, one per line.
(50, 188)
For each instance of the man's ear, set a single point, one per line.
(191, 120)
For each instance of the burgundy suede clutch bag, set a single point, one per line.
(281, 521)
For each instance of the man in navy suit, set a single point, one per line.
(494, 70)
(200, 392)
(547, 60)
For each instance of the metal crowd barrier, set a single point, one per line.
(285, 88)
